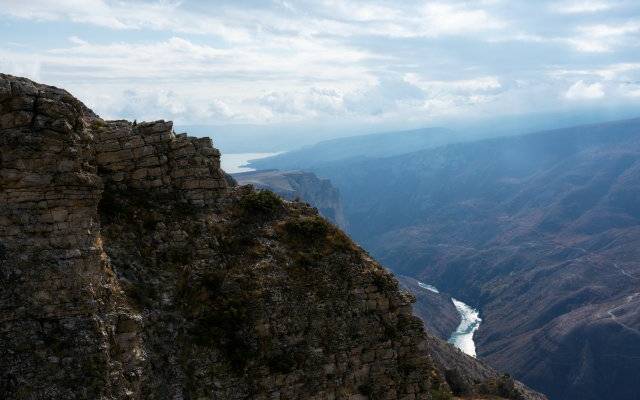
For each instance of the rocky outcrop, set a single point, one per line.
(129, 269)
(149, 156)
(304, 186)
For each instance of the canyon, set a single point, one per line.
(539, 232)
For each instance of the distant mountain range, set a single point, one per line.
(359, 147)
(271, 138)
(541, 232)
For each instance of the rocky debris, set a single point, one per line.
(130, 269)
(305, 186)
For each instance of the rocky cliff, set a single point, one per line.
(129, 269)
(305, 186)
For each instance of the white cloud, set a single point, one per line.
(478, 85)
(633, 91)
(166, 104)
(299, 105)
(28, 68)
(294, 60)
(615, 72)
(304, 58)
(385, 97)
(581, 6)
(78, 41)
(443, 18)
(328, 17)
(95, 12)
(603, 38)
(189, 82)
(433, 19)
(585, 91)
(164, 15)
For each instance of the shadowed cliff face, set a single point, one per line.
(130, 270)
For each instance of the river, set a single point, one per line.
(470, 320)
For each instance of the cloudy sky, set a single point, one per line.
(298, 61)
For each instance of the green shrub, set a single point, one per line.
(307, 228)
(221, 314)
(283, 363)
(441, 394)
(366, 389)
(179, 255)
(225, 327)
(262, 202)
(383, 281)
(503, 386)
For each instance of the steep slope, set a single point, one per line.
(541, 232)
(300, 185)
(436, 310)
(131, 270)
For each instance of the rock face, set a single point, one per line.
(130, 270)
(305, 186)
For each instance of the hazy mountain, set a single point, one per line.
(541, 232)
(271, 138)
(359, 147)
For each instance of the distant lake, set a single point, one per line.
(233, 163)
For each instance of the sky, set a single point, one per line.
(300, 62)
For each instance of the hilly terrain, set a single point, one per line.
(131, 268)
(541, 232)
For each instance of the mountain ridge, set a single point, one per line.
(357, 147)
